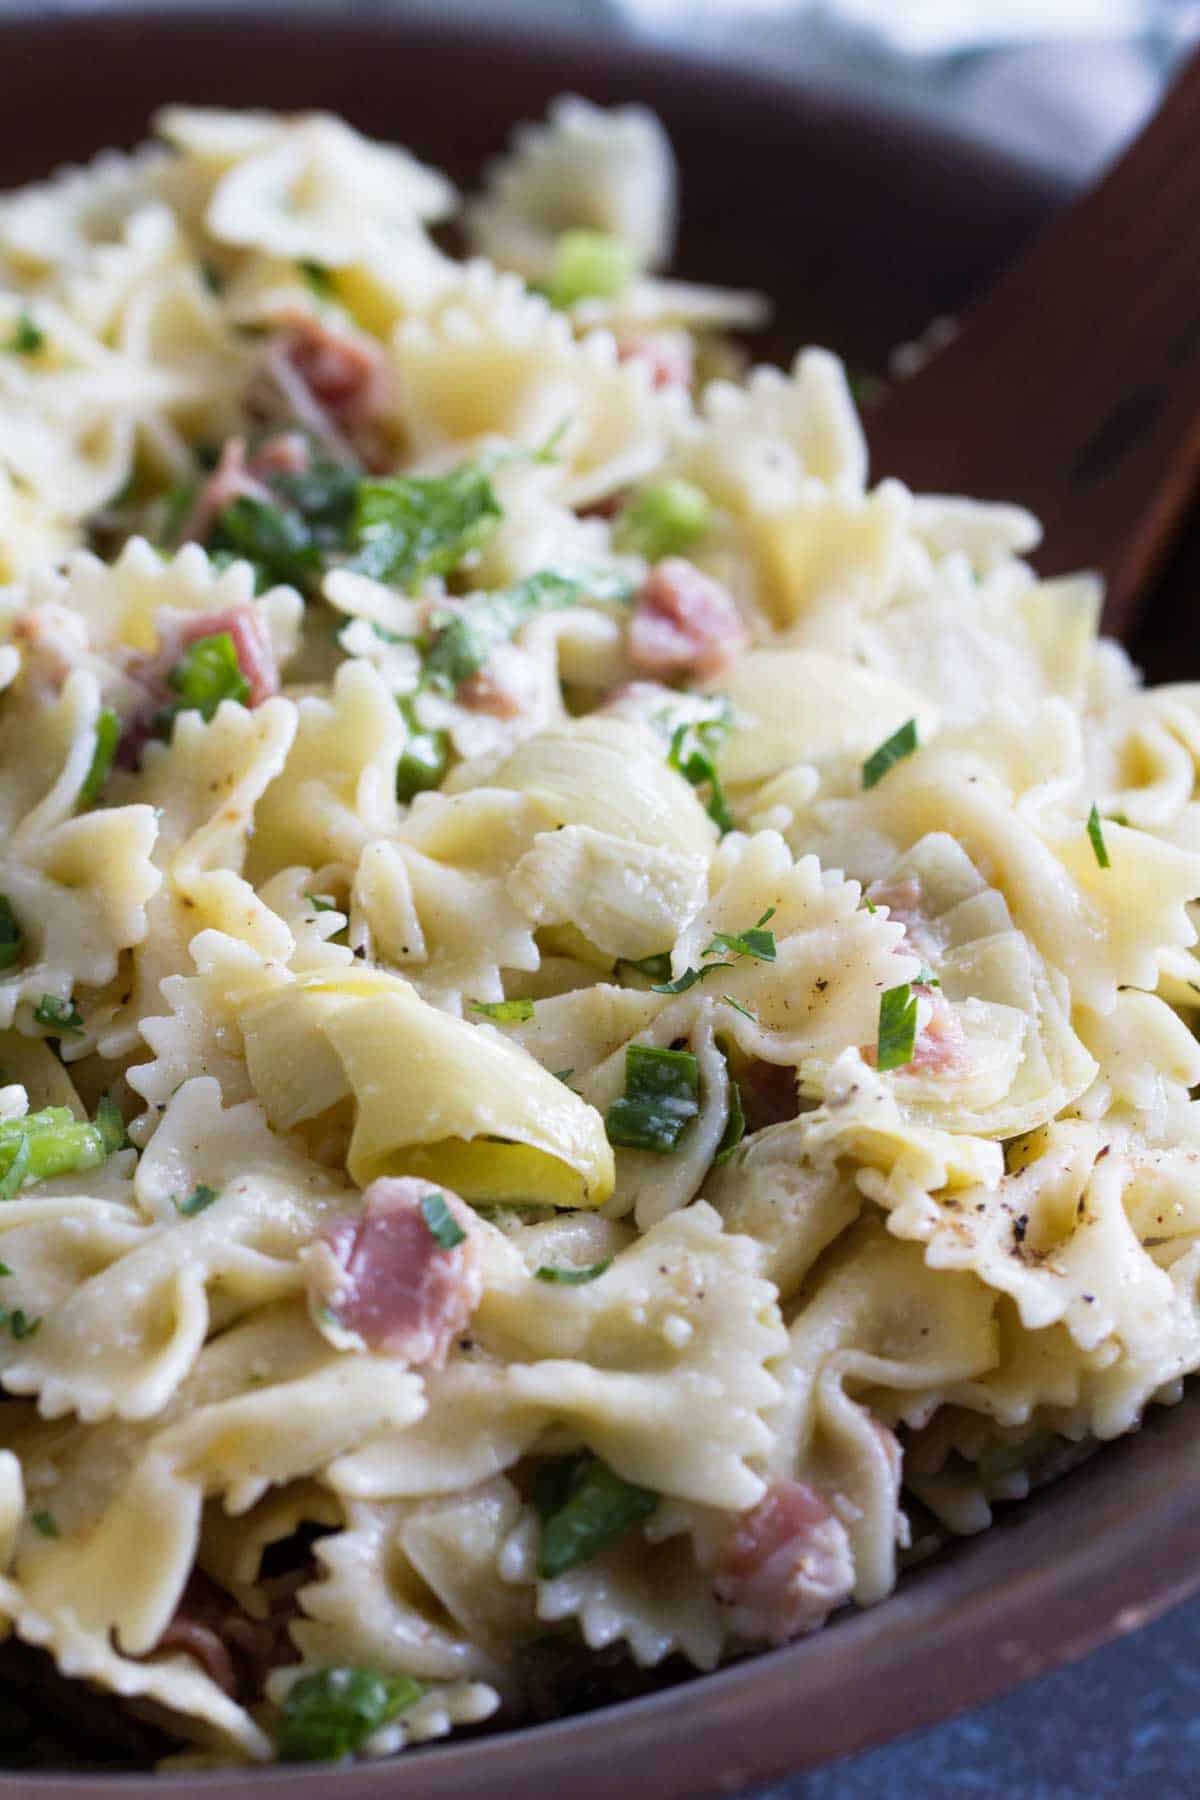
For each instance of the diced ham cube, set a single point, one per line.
(786, 1566)
(668, 355)
(684, 622)
(383, 1274)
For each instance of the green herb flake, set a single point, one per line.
(573, 1277)
(590, 265)
(60, 1016)
(902, 743)
(44, 1522)
(1095, 831)
(897, 1027)
(755, 942)
(504, 1012)
(22, 1326)
(564, 1075)
(407, 528)
(664, 520)
(463, 641)
(108, 736)
(655, 968)
(200, 1198)
(322, 903)
(331, 1713)
(275, 539)
(442, 1225)
(423, 762)
(738, 1007)
(695, 745)
(12, 938)
(661, 1098)
(584, 1507)
(735, 1119)
(319, 279)
(28, 339)
(4, 1269)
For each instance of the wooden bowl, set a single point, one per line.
(862, 228)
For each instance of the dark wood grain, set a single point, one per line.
(1075, 386)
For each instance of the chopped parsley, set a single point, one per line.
(755, 942)
(274, 538)
(423, 762)
(28, 338)
(695, 744)
(318, 279)
(110, 1125)
(1095, 831)
(738, 1007)
(321, 902)
(661, 1098)
(45, 1522)
(441, 1223)
(664, 520)
(463, 642)
(573, 1277)
(584, 1507)
(198, 1201)
(19, 1323)
(331, 1713)
(735, 1120)
(12, 938)
(108, 735)
(504, 1012)
(406, 528)
(902, 743)
(897, 1027)
(59, 1015)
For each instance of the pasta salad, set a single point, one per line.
(595, 1012)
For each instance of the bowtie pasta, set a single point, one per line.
(595, 1013)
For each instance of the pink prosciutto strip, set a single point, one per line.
(176, 630)
(330, 383)
(684, 622)
(786, 1566)
(387, 1278)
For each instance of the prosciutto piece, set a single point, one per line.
(669, 356)
(236, 1651)
(237, 476)
(330, 383)
(684, 622)
(384, 1273)
(786, 1566)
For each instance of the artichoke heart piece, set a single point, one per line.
(433, 1096)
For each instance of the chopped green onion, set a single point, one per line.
(408, 527)
(735, 1121)
(661, 1098)
(897, 1027)
(59, 1015)
(12, 938)
(207, 673)
(1096, 833)
(693, 754)
(331, 1713)
(27, 338)
(664, 520)
(902, 743)
(44, 1522)
(51, 1142)
(200, 1198)
(504, 1012)
(573, 1277)
(590, 265)
(443, 1227)
(108, 734)
(584, 1506)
